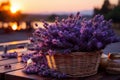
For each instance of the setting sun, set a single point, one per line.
(14, 26)
(14, 8)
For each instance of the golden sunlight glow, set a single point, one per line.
(14, 8)
(14, 26)
(53, 6)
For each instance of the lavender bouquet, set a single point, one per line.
(74, 34)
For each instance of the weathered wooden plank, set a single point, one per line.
(8, 61)
(2, 58)
(14, 42)
(19, 75)
(14, 66)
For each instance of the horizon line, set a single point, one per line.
(83, 12)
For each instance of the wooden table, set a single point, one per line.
(2, 58)
(14, 66)
(19, 75)
(8, 61)
(14, 62)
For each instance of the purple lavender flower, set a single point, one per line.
(75, 34)
(55, 41)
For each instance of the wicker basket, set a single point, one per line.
(77, 64)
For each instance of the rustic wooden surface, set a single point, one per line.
(19, 75)
(8, 61)
(2, 58)
(14, 66)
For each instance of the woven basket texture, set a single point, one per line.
(77, 64)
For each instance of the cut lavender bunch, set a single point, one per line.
(38, 66)
(74, 34)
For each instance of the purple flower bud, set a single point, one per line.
(67, 51)
(50, 52)
(55, 41)
(60, 33)
(31, 39)
(99, 45)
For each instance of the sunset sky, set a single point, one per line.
(56, 6)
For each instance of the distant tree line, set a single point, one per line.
(109, 10)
